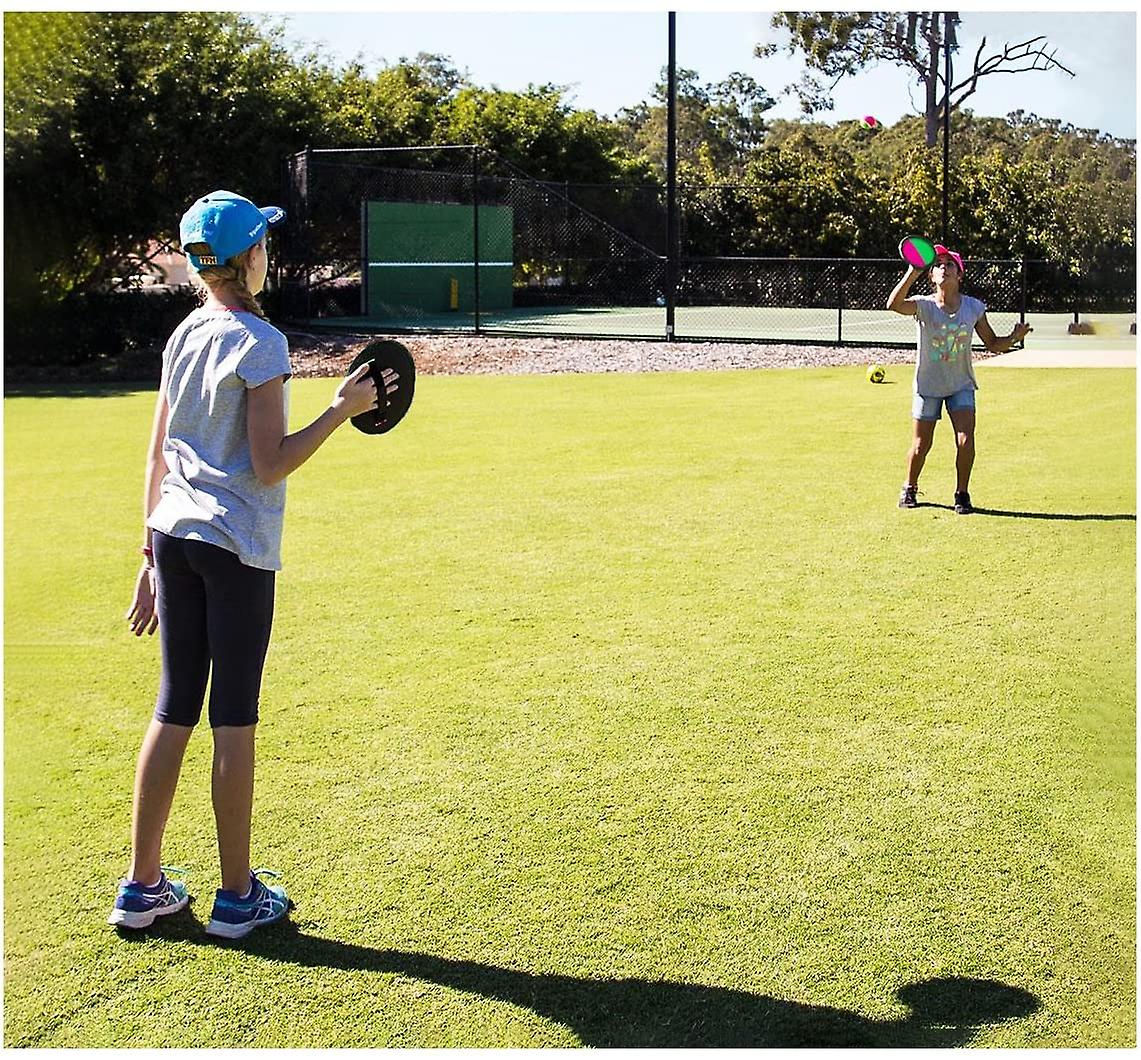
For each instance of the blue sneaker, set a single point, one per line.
(137, 905)
(234, 917)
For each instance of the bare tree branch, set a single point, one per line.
(841, 44)
(994, 65)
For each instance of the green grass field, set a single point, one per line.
(609, 710)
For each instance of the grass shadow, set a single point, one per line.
(638, 1013)
(1082, 517)
(1065, 516)
(79, 389)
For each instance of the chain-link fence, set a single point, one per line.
(456, 239)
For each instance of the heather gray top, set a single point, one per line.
(943, 361)
(210, 492)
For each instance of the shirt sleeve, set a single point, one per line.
(923, 309)
(266, 359)
(167, 353)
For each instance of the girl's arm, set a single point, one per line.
(276, 454)
(993, 343)
(143, 616)
(898, 302)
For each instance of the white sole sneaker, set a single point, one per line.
(262, 914)
(239, 931)
(125, 918)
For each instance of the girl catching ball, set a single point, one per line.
(213, 507)
(943, 371)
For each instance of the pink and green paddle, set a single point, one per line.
(917, 251)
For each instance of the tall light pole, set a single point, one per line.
(671, 179)
(948, 34)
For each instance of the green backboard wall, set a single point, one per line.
(414, 251)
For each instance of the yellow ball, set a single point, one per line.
(875, 373)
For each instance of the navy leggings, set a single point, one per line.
(214, 618)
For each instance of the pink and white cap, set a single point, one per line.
(952, 254)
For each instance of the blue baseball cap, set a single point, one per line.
(227, 223)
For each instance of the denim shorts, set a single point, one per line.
(931, 408)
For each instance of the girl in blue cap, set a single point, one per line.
(943, 371)
(213, 506)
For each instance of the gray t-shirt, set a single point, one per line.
(210, 492)
(943, 362)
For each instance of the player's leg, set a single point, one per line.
(146, 893)
(240, 618)
(182, 686)
(963, 420)
(925, 414)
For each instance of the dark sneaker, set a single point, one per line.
(963, 503)
(137, 905)
(907, 497)
(235, 917)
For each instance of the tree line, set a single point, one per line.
(115, 122)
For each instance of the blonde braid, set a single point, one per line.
(231, 276)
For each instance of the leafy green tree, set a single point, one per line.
(107, 143)
(723, 120)
(538, 131)
(809, 201)
(399, 107)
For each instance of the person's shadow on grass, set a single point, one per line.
(1064, 516)
(637, 1013)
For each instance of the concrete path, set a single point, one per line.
(1069, 358)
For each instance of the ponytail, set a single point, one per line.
(231, 276)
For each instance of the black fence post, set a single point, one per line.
(565, 240)
(364, 257)
(839, 304)
(475, 229)
(1022, 293)
(306, 234)
(286, 183)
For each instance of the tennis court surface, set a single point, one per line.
(738, 323)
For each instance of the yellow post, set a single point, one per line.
(455, 297)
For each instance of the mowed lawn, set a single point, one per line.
(608, 710)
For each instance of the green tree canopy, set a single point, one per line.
(718, 123)
(107, 142)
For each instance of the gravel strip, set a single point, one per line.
(329, 355)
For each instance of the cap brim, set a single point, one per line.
(272, 214)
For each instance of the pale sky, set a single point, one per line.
(611, 60)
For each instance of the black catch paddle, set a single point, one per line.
(386, 353)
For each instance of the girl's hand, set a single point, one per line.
(1020, 332)
(356, 394)
(143, 609)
